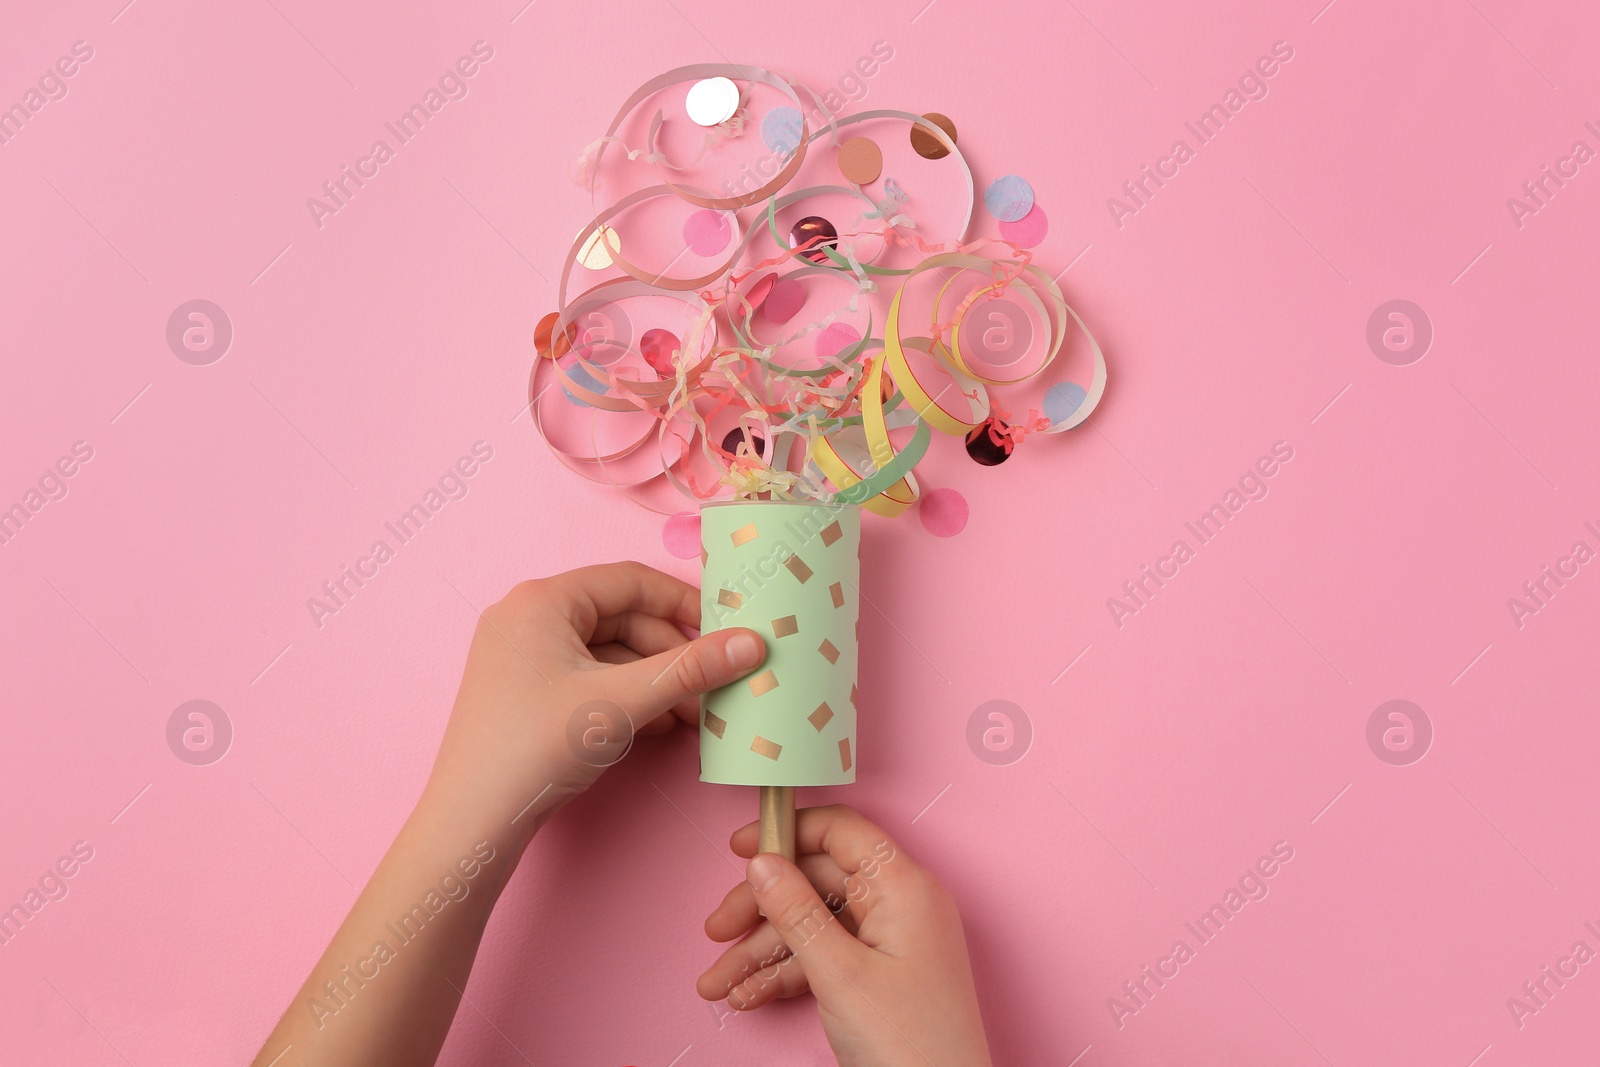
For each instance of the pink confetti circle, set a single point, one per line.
(657, 347)
(1027, 231)
(834, 338)
(706, 232)
(943, 512)
(681, 534)
(757, 296)
(784, 300)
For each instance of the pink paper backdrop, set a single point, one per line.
(1172, 747)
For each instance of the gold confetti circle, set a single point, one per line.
(925, 143)
(595, 254)
(861, 161)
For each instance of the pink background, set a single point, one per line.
(1228, 714)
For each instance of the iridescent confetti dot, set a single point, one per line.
(1008, 198)
(816, 235)
(1062, 400)
(584, 380)
(739, 436)
(990, 443)
(780, 129)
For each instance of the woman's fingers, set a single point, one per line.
(613, 653)
(736, 916)
(738, 913)
(837, 829)
(589, 594)
(647, 635)
(873, 867)
(827, 951)
(798, 923)
(675, 678)
(756, 971)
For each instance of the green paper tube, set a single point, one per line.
(791, 572)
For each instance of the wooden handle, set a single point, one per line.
(777, 820)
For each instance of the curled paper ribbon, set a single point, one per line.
(717, 403)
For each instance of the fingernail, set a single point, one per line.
(763, 872)
(743, 651)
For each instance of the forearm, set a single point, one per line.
(389, 984)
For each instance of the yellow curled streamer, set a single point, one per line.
(1054, 311)
(921, 401)
(880, 450)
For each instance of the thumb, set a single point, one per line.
(651, 686)
(827, 951)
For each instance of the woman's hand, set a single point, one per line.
(561, 675)
(564, 672)
(881, 948)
